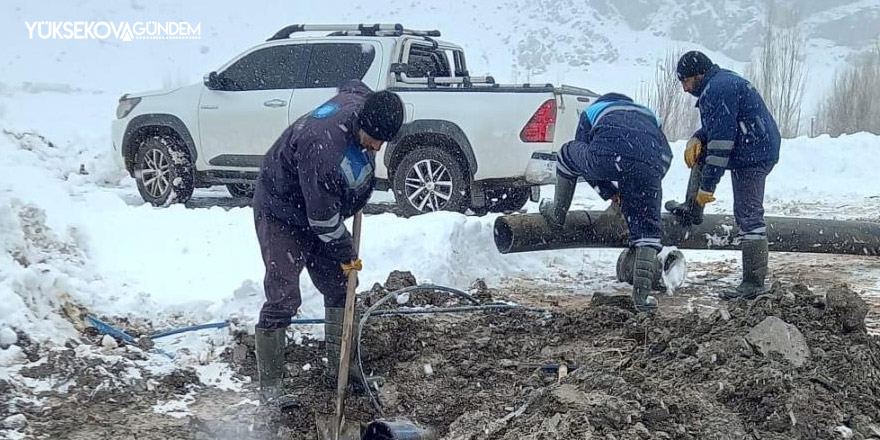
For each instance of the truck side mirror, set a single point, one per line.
(212, 81)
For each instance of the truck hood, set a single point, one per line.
(158, 92)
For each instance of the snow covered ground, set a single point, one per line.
(88, 238)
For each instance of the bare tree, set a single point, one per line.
(779, 71)
(664, 94)
(852, 104)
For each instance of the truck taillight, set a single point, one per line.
(541, 126)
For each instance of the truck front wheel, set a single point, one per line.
(163, 171)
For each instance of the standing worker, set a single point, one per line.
(317, 174)
(739, 134)
(619, 141)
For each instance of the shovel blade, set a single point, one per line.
(326, 427)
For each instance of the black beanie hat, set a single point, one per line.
(693, 63)
(382, 115)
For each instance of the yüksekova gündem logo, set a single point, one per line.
(121, 30)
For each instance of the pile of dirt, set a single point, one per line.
(791, 364)
(608, 372)
(692, 377)
(84, 394)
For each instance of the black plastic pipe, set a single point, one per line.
(529, 232)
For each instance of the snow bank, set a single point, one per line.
(821, 177)
(77, 241)
(88, 241)
(75, 237)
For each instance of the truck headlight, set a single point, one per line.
(126, 105)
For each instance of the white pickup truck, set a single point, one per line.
(467, 142)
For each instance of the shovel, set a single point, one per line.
(332, 428)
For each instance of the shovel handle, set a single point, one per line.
(347, 330)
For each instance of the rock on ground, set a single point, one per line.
(774, 335)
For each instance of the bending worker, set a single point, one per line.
(317, 174)
(619, 141)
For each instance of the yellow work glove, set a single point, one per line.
(357, 265)
(694, 147)
(704, 197)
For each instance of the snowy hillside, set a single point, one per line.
(602, 44)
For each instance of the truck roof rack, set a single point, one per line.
(371, 30)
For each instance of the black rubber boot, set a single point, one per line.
(626, 265)
(643, 277)
(554, 211)
(269, 347)
(754, 262)
(333, 317)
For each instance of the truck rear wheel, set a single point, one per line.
(430, 179)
